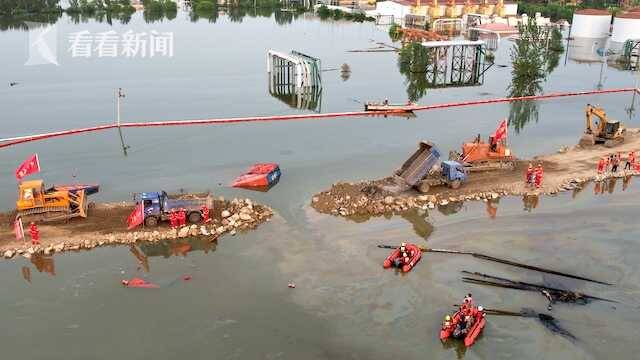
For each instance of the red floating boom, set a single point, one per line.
(23, 139)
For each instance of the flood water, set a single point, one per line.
(238, 306)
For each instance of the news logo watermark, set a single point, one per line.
(43, 44)
(85, 44)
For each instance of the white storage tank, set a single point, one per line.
(626, 26)
(590, 23)
(586, 49)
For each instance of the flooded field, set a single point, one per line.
(345, 306)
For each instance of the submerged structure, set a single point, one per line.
(456, 63)
(295, 79)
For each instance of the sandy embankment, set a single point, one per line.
(106, 225)
(566, 170)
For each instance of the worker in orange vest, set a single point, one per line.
(601, 166)
(631, 159)
(529, 176)
(35, 234)
(173, 218)
(539, 174)
(182, 217)
(205, 214)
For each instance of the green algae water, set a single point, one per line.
(345, 306)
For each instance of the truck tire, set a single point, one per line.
(195, 217)
(455, 184)
(151, 221)
(424, 187)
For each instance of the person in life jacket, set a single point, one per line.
(539, 175)
(35, 234)
(447, 322)
(529, 175)
(173, 218)
(631, 159)
(182, 217)
(601, 166)
(205, 214)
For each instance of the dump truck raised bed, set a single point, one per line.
(60, 202)
(157, 205)
(421, 172)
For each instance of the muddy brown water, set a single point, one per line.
(238, 305)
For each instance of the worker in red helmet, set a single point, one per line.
(205, 214)
(35, 234)
(631, 159)
(182, 217)
(529, 175)
(173, 218)
(539, 175)
(601, 166)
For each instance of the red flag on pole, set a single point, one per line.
(136, 217)
(18, 229)
(501, 131)
(29, 166)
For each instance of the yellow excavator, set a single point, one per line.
(603, 130)
(60, 202)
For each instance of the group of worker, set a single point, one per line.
(406, 253)
(534, 176)
(178, 218)
(612, 162)
(469, 313)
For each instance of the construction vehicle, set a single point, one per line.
(60, 202)
(421, 170)
(157, 206)
(484, 156)
(602, 131)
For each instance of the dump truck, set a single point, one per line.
(603, 131)
(60, 202)
(157, 206)
(421, 170)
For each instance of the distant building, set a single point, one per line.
(435, 9)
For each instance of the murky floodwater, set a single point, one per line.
(345, 306)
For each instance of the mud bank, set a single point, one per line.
(106, 225)
(566, 170)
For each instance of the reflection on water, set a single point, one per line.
(416, 217)
(532, 62)
(451, 208)
(492, 208)
(42, 263)
(530, 202)
(458, 346)
(307, 98)
(169, 248)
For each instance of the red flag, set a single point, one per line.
(501, 131)
(18, 229)
(29, 166)
(136, 217)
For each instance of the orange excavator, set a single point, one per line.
(494, 154)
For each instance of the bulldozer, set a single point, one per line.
(60, 202)
(602, 131)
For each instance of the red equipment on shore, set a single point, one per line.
(396, 259)
(466, 323)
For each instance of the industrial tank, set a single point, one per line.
(590, 23)
(586, 49)
(626, 26)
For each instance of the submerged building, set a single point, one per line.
(434, 9)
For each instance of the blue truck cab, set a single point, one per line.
(453, 171)
(157, 206)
